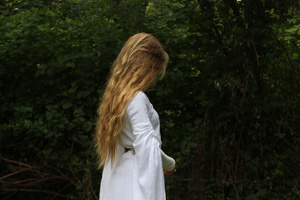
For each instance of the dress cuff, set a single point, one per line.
(167, 161)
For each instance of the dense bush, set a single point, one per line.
(229, 103)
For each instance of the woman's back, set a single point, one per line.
(140, 103)
(136, 174)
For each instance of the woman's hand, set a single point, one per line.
(168, 173)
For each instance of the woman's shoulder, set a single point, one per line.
(139, 98)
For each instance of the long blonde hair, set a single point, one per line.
(138, 65)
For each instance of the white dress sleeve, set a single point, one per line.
(167, 162)
(148, 170)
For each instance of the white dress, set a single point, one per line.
(137, 176)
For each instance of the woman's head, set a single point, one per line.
(141, 61)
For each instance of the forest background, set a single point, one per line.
(228, 105)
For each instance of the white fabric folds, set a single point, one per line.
(139, 176)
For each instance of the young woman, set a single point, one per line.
(128, 137)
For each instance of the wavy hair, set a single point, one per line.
(141, 61)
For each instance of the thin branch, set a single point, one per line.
(57, 194)
(32, 190)
(19, 182)
(17, 172)
(15, 162)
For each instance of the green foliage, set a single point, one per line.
(228, 105)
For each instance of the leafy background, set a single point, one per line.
(229, 103)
